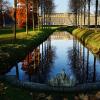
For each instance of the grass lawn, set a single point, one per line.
(13, 93)
(15, 50)
(90, 38)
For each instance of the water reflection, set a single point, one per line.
(36, 65)
(83, 63)
(60, 51)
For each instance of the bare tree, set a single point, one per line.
(84, 12)
(96, 13)
(74, 7)
(47, 8)
(89, 1)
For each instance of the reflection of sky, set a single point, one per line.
(60, 61)
(22, 74)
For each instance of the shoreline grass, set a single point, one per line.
(14, 51)
(89, 38)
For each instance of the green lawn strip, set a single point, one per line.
(70, 29)
(12, 52)
(66, 28)
(89, 38)
(94, 43)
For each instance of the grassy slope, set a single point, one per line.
(12, 51)
(89, 38)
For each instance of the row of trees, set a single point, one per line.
(27, 13)
(4, 13)
(82, 8)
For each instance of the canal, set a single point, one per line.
(60, 52)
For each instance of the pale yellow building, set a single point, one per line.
(69, 19)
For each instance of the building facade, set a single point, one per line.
(68, 19)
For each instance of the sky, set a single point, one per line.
(61, 5)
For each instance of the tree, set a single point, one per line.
(75, 5)
(4, 8)
(96, 13)
(89, 13)
(47, 7)
(26, 16)
(1, 17)
(15, 6)
(84, 11)
(33, 14)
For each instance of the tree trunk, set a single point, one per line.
(38, 15)
(76, 18)
(78, 15)
(15, 5)
(27, 17)
(84, 11)
(96, 14)
(33, 13)
(81, 17)
(44, 17)
(89, 13)
(41, 14)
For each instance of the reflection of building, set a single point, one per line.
(67, 19)
(61, 36)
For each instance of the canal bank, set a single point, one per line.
(12, 52)
(60, 51)
(89, 38)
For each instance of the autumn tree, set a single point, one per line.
(15, 7)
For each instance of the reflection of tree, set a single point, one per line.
(84, 71)
(37, 64)
(76, 61)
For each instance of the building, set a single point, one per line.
(68, 19)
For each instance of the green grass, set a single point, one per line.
(89, 38)
(12, 51)
(66, 28)
(15, 50)
(13, 93)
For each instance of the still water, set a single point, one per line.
(59, 52)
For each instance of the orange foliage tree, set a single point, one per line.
(21, 13)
